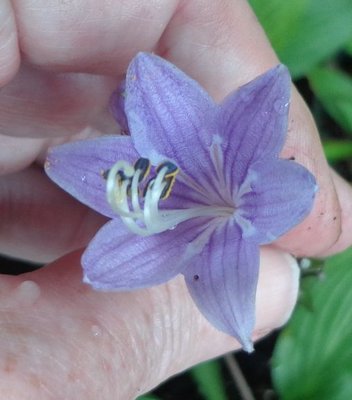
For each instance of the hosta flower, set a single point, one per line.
(195, 188)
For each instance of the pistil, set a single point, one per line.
(138, 204)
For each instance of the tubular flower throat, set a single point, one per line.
(192, 187)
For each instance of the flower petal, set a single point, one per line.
(117, 259)
(77, 167)
(282, 195)
(117, 106)
(222, 281)
(169, 114)
(253, 122)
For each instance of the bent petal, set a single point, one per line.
(170, 115)
(117, 259)
(222, 281)
(253, 122)
(78, 168)
(282, 196)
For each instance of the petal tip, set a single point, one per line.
(47, 165)
(144, 55)
(86, 279)
(141, 59)
(93, 284)
(247, 346)
(282, 71)
(281, 80)
(51, 162)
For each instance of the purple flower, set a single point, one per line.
(195, 188)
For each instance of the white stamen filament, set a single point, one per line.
(135, 191)
(124, 196)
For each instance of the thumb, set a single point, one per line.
(60, 336)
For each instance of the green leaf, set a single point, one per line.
(348, 47)
(148, 397)
(208, 377)
(334, 89)
(279, 18)
(338, 150)
(305, 32)
(313, 356)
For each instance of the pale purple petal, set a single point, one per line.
(169, 114)
(222, 281)
(282, 195)
(117, 259)
(184, 197)
(117, 106)
(253, 122)
(78, 168)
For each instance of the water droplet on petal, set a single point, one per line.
(83, 178)
(96, 331)
(280, 107)
(27, 293)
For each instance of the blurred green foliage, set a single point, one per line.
(334, 90)
(209, 380)
(148, 397)
(305, 32)
(313, 356)
(348, 47)
(338, 150)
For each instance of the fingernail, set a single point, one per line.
(277, 289)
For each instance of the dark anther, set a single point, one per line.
(292, 158)
(335, 218)
(167, 189)
(196, 277)
(143, 165)
(148, 185)
(122, 176)
(169, 177)
(172, 169)
(105, 174)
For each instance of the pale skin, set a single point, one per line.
(59, 339)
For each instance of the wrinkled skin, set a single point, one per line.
(60, 60)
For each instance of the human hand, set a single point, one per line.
(105, 345)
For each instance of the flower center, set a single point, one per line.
(137, 202)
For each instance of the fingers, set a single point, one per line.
(40, 222)
(18, 153)
(220, 44)
(95, 37)
(40, 104)
(9, 51)
(59, 336)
